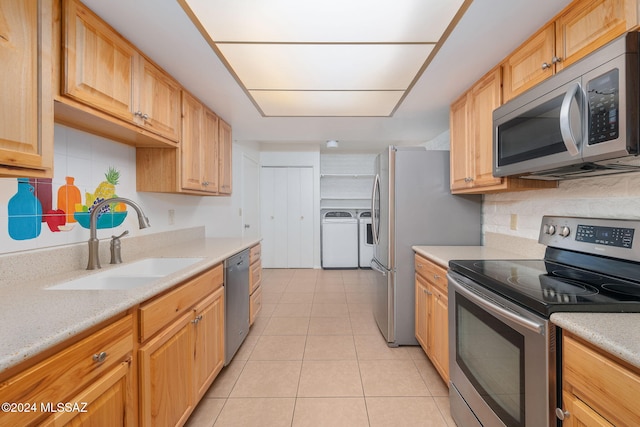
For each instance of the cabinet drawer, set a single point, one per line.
(60, 377)
(607, 386)
(163, 310)
(254, 254)
(255, 276)
(255, 304)
(435, 274)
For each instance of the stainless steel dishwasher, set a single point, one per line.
(236, 303)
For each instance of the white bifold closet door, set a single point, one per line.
(286, 199)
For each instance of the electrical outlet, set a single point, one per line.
(514, 222)
(172, 216)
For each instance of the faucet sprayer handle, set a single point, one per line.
(123, 234)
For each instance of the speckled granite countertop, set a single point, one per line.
(443, 254)
(616, 333)
(35, 319)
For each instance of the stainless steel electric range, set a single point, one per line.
(503, 348)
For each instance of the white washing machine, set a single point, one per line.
(365, 239)
(339, 239)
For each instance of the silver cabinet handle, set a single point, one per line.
(436, 277)
(100, 357)
(556, 59)
(546, 65)
(427, 292)
(142, 115)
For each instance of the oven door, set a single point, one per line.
(502, 360)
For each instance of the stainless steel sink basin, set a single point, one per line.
(128, 276)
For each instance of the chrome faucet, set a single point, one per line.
(94, 258)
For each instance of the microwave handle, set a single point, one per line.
(565, 120)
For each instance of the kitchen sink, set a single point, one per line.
(128, 276)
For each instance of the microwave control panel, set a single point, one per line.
(603, 99)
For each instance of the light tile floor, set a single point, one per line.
(315, 357)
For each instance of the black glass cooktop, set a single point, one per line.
(547, 286)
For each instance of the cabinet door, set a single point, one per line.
(159, 105)
(485, 97)
(461, 150)
(209, 341)
(530, 64)
(99, 65)
(580, 414)
(107, 402)
(224, 158)
(590, 24)
(211, 148)
(26, 104)
(191, 145)
(439, 332)
(422, 299)
(273, 202)
(299, 208)
(166, 375)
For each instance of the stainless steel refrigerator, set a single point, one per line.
(413, 205)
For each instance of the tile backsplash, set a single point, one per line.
(87, 158)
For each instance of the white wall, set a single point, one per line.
(87, 157)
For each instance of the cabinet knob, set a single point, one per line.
(562, 414)
(142, 115)
(427, 292)
(556, 59)
(546, 65)
(436, 276)
(100, 357)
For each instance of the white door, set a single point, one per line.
(286, 197)
(250, 197)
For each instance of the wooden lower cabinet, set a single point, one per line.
(597, 388)
(209, 341)
(431, 322)
(107, 400)
(255, 280)
(180, 360)
(166, 375)
(95, 370)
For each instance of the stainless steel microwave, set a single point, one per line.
(580, 122)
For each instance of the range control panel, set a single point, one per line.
(598, 236)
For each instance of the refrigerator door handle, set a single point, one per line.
(375, 265)
(375, 221)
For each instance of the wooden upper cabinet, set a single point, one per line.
(103, 71)
(192, 121)
(530, 64)
(584, 26)
(159, 102)
(485, 97)
(202, 164)
(224, 158)
(98, 64)
(199, 150)
(471, 124)
(461, 151)
(588, 25)
(210, 151)
(26, 103)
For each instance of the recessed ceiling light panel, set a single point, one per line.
(330, 58)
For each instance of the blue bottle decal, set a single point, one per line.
(25, 212)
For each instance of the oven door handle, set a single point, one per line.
(499, 311)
